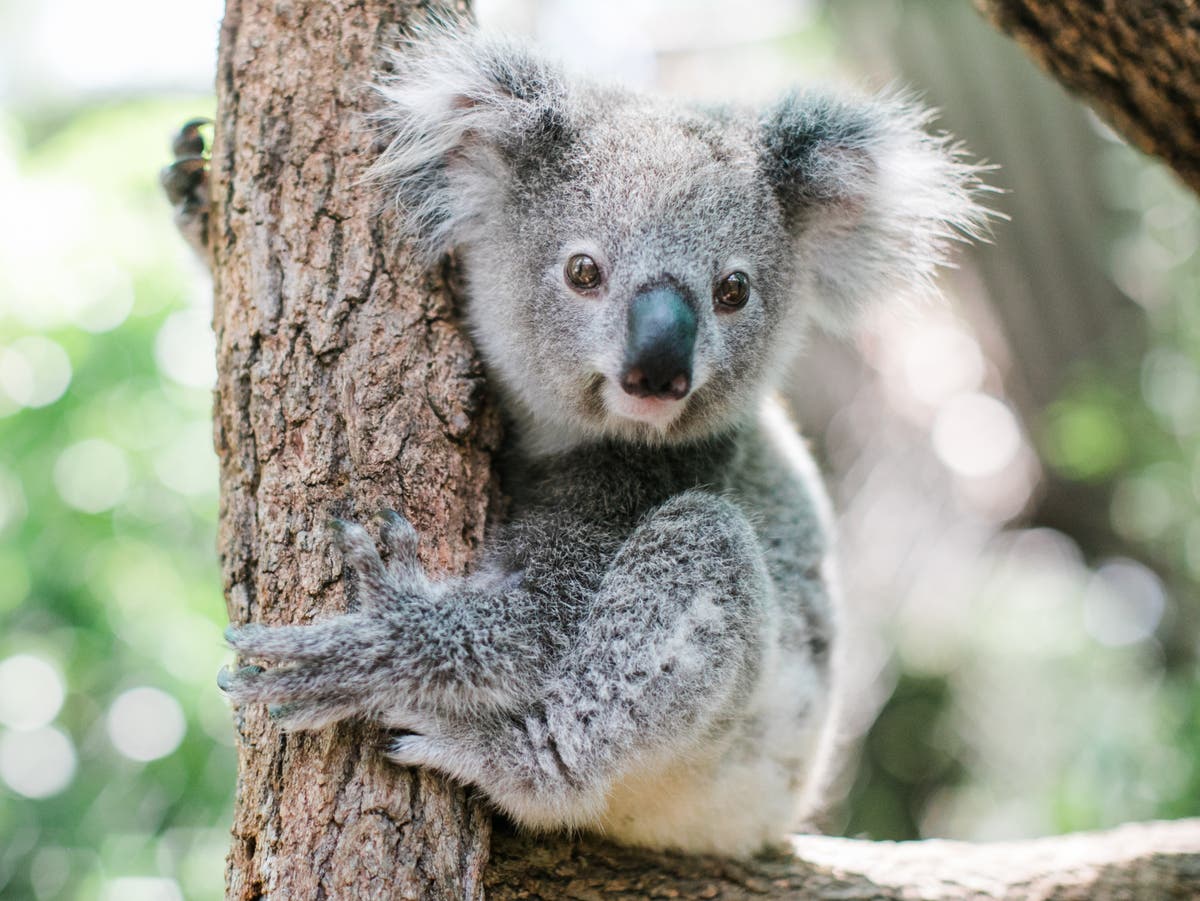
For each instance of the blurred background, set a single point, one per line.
(1016, 467)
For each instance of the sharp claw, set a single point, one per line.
(355, 543)
(227, 681)
(338, 528)
(189, 141)
(182, 180)
(397, 532)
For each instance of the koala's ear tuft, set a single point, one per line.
(871, 199)
(459, 111)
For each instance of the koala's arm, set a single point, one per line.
(669, 641)
(412, 650)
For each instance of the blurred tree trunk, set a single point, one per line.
(345, 385)
(1137, 62)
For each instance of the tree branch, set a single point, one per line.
(1137, 62)
(1151, 861)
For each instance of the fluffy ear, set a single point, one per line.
(871, 198)
(459, 113)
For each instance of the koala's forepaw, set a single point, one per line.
(381, 582)
(253, 684)
(310, 691)
(345, 665)
(185, 182)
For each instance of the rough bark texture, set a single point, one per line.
(1136, 61)
(345, 385)
(1151, 861)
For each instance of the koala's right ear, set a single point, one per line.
(457, 110)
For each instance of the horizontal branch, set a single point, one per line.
(1137, 861)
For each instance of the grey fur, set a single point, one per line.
(646, 648)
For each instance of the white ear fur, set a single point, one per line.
(873, 199)
(451, 98)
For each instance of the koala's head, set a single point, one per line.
(644, 269)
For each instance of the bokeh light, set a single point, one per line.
(141, 888)
(1124, 603)
(976, 435)
(92, 476)
(34, 371)
(145, 724)
(37, 763)
(185, 349)
(31, 692)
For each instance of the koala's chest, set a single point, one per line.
(744, 790)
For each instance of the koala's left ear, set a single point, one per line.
(872, 200)
(459, 111)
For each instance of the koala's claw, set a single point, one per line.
(413, 750)
(295, 699)
(399, 540)
(325, 672)
(185, 182)
(296, 716)
(320, 642)
(380, 584)
(296, 684)
(228, 682)
(190, 140)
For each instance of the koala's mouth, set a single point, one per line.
(659, 412)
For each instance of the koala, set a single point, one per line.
(647, 648)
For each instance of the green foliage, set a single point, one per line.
(910, 755)
(107, 517)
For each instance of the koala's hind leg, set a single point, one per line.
(185, 182)
(671, 649)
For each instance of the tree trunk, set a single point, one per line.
(1136, 61)
(346, 385)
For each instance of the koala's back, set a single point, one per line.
(759, 767)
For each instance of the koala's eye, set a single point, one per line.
(732, 291)
(582, 271)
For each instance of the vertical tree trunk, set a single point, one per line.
(345, 385)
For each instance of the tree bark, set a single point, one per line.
(345, 384)
(1150, 861)
(1137, 62)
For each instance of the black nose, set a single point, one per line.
(659, 344)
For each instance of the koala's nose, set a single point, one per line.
(659, 344)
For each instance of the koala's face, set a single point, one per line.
(632, 280)
(640, 269)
